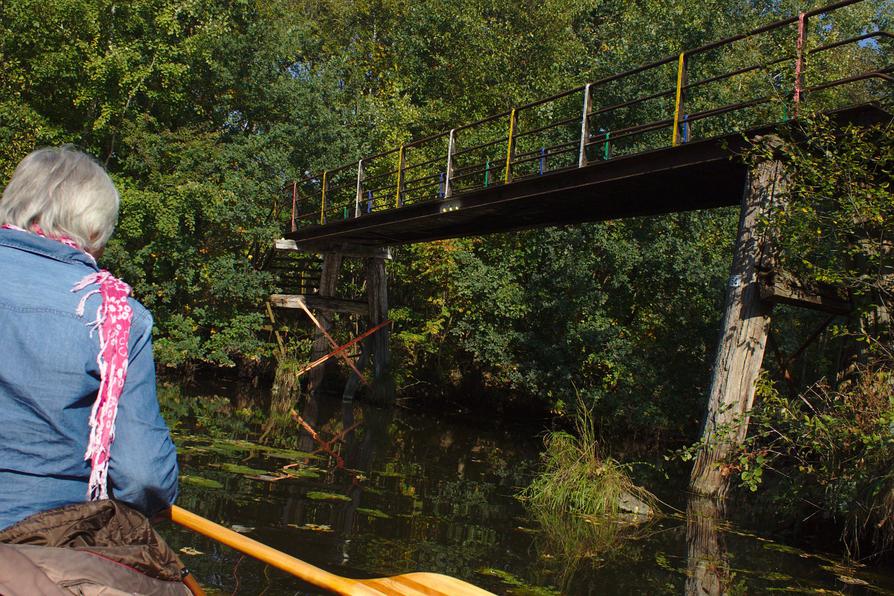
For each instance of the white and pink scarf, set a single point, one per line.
(113, 319)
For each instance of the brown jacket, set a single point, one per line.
(96, 548)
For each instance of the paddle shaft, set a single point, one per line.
(271, 556)
(407, 584)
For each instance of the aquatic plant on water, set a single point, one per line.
(577, 478)
(584, 501)
(831, 447)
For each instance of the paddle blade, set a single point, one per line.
(423, 584)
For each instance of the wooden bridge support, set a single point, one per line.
(328, 281)
(740, 353)
(374, 310)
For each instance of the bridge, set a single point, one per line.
(660, 138)
(664, 137)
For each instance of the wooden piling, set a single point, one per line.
(377, 294)
(328, 281)
(743, 341)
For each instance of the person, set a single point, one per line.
(78, 404)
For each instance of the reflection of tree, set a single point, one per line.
(707, 567)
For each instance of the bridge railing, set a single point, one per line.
(834, 56)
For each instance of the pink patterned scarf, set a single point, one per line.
(113, 319)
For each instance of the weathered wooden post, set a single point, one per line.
(740, 353)
(328, 282)
(377, 294)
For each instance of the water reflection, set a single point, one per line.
(404, 491)
(707, 559)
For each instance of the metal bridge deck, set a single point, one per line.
(699, 175)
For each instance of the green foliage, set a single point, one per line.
(569, 308)
(204, 110)
(838, 217)
(826, 442)
(197, 114)
(830, 447)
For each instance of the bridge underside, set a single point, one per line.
(698, 175)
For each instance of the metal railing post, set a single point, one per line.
(359, 195)
(799, 62)
(585, 127)
(400, 174)
(323, 199)
(509, 148)
(294, 203)
(451, 147)
(680, 96)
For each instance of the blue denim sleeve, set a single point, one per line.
(143, 467)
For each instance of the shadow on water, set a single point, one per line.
(374, 492)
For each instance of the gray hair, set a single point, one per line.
(66, 192)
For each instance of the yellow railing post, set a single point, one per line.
(323, 200)
(508, 177)
(678, 102)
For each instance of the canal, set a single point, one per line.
(388, 491)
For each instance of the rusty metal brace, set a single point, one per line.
(341, 349)
(333, 343)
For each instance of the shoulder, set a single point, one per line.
(142, 318)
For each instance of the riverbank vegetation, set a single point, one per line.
(825, 433)
(203, 111)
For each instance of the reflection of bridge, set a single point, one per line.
(655, 139)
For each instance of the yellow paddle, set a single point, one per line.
(409, 584)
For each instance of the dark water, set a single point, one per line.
(401, 492)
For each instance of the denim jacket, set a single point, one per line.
(49, 379)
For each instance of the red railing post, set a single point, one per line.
(799, 62)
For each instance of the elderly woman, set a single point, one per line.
(78, 407)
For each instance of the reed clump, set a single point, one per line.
(585, 503)
(578, 479)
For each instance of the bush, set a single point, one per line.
(830, 447)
